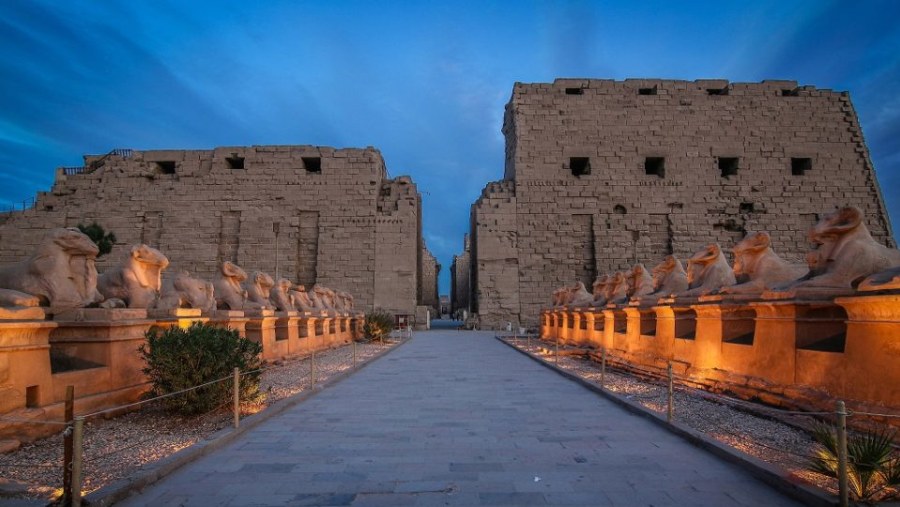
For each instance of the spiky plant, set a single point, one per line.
(872, 466)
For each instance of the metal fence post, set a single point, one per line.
(842, 453)
(77, 461)
(68, 442)
(669, 410)
(237, 397)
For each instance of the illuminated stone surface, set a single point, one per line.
(458, 419)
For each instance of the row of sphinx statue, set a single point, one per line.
(61, 274)
(845, 257)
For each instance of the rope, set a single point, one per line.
(156, 398)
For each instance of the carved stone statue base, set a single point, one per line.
(100, 314)
(22, 313)
(158, 313)
(807, 293)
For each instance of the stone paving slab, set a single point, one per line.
(458, 418)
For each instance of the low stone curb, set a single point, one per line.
(123, 488)
(767, 473)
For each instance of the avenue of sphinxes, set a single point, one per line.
(748, 247)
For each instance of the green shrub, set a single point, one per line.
(378, 324)
(178, 359)
(100, 237)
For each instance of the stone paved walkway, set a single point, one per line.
(457, 418)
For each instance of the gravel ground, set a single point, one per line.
(763, 432)
(115, 448)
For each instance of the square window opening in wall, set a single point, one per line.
(235, 162)
(166, 166)
(717, 91)
(799, 165)
(312, 164)
(790, 93)
(728, 166)
(574, 91)
(655, 166)
(647, 91)
(580, 165)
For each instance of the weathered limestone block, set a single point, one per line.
(230, 295)
(185, 291)
(61, 272)
(888, 279)
(137, 280)
(259, 290)
(708, 271)
(755, 260)
(280, 296)
(846, 252)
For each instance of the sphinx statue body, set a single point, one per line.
(617, 288)
(185, 291)
(579, 296)
(845, 254)
(888, 279)
(280, 296)
(639, 282)
(708, 272)
(301, 299)
(230, 294)
(598, 289)
(61, 273)
(669, 277)
(755, 260)
(137, 280)
(259, 289)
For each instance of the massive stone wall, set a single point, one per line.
(341, 221)
(459, 279)
(430, 272)
(602, 174)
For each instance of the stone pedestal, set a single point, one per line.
(287, 332)
(230, 319)
(813, 332)
(25, 380)
(642, 343)
(98, 354)
(261, 329)
(180, 317)
(872, 352)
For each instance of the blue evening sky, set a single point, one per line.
(425, 82)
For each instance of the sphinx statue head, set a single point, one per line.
(61, 273)
(669, 277)
(230, 295)
(708, 272)
(845, 252)
(640, 282)
(137, 280)
(758, 267)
